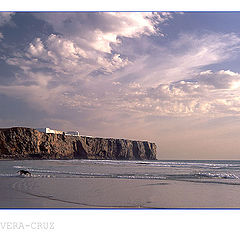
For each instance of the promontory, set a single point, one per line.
(29, 143)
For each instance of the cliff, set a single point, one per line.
(28, 143)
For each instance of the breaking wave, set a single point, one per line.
(125, 169)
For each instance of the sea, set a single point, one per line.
(222, 171)
(85, 183)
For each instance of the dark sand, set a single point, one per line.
(30, 192)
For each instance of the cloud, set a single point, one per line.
(82, 44)
(208, 92)
(218, 94)
(185, 56)
(77, 53)
(56, 53)
(37, 96)
(100, 30)
(220, 80)
(67, 70)
(5, 17)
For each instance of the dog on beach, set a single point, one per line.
(24, 173)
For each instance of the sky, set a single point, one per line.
(172, 78)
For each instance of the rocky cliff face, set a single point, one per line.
(28, 143)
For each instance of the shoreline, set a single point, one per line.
(90, 159)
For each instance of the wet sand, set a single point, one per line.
(17, 192)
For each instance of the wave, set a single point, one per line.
(180, 164)
(156, 163)
(18, 167)
(46, 173)
(135, 169)
(8, 175)
(218, 175)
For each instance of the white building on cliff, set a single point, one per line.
(73, 133)
(48, 130)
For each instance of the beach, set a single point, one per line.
(114, 193)
(119, 184)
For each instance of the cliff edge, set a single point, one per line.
(28, 143)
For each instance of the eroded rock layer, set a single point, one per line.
(28, 143)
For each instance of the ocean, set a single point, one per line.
(184, 170)
(122, 183)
